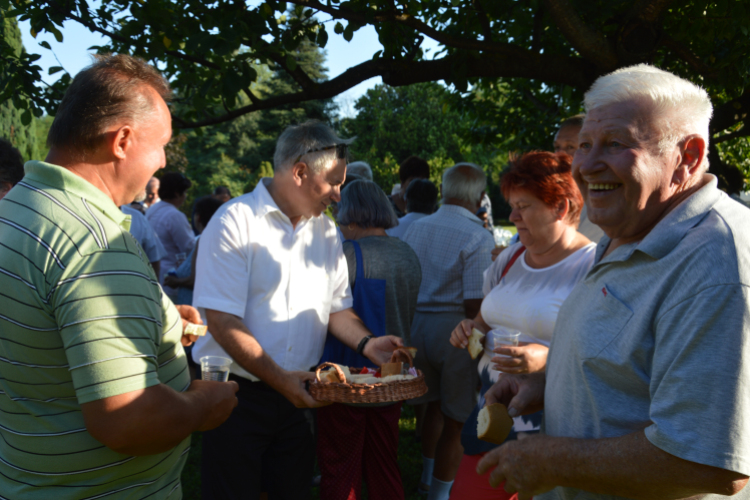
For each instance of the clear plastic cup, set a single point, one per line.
(215, 368)
(503, 337)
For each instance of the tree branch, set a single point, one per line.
(590, 44)
(251, 96)
(743, 132)
(298, 74)
(552, 69)
(127, 41)
(728, 114)
(537, 31)
(649, 11)
(688, 56)
(413, 22)
(484, 20)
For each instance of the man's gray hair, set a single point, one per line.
(363, 203)
(682, 107)
(360, 168)
(465, 182)
(297, 140)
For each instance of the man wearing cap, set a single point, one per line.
(646, 389)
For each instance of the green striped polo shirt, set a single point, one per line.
(82, 317)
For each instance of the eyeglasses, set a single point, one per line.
(341, 150)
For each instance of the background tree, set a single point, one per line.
(532, 58)
(393, 123)
(15, 126)
(239, 153)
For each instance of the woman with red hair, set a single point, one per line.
(523, 291)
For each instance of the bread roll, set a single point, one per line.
(193, 329)
(330, 375)
(494, 423)
(475, 344)
(391, 369)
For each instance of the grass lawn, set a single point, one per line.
(409, 460)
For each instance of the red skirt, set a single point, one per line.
(471, 486)
(356, 442)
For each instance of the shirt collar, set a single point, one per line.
(460, 211)
(669, 231)
(63, 179)
(264, 203)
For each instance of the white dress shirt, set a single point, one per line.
(283, 282)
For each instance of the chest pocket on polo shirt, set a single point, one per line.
(606, 318)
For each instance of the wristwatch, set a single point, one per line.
(363, 343)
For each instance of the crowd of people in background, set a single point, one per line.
(626, 281)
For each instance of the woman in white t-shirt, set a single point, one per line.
(523, 291)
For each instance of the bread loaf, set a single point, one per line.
(494, 423)
(330, 376)
(475, 344)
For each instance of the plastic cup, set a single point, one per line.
(215, 368)
(503, 337)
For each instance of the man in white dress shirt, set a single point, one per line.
(271, 280)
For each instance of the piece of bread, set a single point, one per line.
(412, 351)
(494, 423)
(193, 329)
(391, 369)
(475, 344)
(330, 376)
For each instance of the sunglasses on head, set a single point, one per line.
(341, 150)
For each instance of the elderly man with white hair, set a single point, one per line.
(646, 389)
(454, 250)
(272, 279)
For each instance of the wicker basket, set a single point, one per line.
(344, 392)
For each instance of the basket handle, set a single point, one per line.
(397, 353)
(339, 371)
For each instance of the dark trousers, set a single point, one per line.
(266, 445)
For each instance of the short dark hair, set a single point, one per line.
(206, 207)
(421, 196)
(222, 190)
(112, 88)
(11, 163)
(573, 121)
(413, 166)
(172, 185)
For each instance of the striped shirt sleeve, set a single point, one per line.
(109, 313)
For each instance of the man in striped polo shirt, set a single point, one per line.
(95, 395)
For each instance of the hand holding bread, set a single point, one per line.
(192, 324)
(469, 334)
(521, 394)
